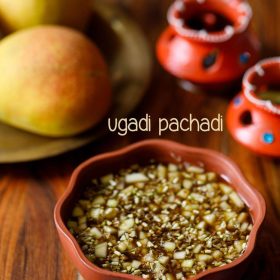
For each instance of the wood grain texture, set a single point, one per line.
(29, 246)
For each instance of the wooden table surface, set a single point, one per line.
(29, 246)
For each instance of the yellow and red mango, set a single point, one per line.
(54, 81)
(19, 14)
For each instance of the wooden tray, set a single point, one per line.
(129, 59)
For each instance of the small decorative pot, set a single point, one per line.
(253, 117)
(208, 42)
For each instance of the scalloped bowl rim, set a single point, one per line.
(259, 203)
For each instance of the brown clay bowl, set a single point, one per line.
(142, 152)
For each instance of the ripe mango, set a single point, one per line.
(53, 81)
(19, 14)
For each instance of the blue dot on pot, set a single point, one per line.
(244, 58)
(237, 101)
(268, 138)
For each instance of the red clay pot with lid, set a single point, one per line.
(252, 120)
(141, 153)
(208, 42)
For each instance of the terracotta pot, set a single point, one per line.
(252, 121)
(208, 42)
(142, 152)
